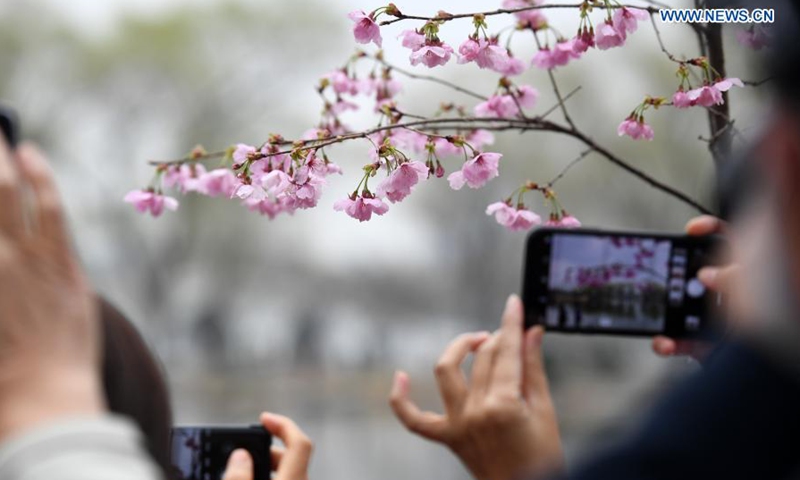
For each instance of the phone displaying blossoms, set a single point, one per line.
(602, 282)
(201, 453)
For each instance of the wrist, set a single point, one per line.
(36, 398)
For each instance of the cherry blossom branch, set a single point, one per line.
(443, 16)
(463, 123)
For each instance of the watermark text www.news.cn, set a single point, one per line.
(717, 15)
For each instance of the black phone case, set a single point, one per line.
(202, 452)
(532, 284)
(9, 124)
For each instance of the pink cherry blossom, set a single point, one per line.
(635, 128)
(432, 55)
(242, 153)
(365, 29)
(533, 18)
(625, 19)
(500, 106)
(710, 95)
(558, 56)
(444, 148)
(485, 53)
(565, 221)
(185, 177)
(527, 96)
(753, 37)
(607, 36)
(148, 200)
(409, 140)
(247, 191)
(514, 219)
(412, 39)
(218, 182)
(681, 100)
(342, 83)
(360, 207)
(476, 172)
(480, 138)
(341, 106)
(513, 66)
(398, 184)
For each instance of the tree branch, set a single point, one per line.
(446, 17)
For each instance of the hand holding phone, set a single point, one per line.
(593, 281)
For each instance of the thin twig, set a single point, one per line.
(561, 102)
(661, 41)
(429, 78)
(571, 164)
(446, 17)
(557, 92)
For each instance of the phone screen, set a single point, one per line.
(201, 453)
(603, 282)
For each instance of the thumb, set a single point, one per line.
(534, 379)
(240, 466)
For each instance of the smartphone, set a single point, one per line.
(620, 283)
(201, 453)
(9, 125)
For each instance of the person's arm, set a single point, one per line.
(53, 423)
(737, 419)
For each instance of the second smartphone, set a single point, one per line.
(620, 283)
(201, 453)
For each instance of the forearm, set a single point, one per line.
(97, 447)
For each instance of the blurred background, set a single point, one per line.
(310, 315)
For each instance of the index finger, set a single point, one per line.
(507, 368)
(295, 459)
(48, 211)
(705, 225)
(11, 218)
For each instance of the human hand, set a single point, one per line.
(49, 347)
(717, 279)
(289, 463)
(502, 423)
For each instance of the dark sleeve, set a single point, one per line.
(737, 419)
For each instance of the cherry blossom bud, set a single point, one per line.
(635, 128)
